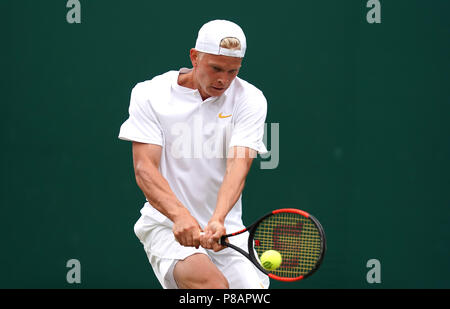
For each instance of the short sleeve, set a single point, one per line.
(249, 121)
(142, 124)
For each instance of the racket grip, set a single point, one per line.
(221, 241)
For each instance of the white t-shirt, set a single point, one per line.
(195, 136)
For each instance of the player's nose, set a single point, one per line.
(222, 82)
(223, 79)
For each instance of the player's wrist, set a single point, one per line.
(220, 213)
(179, 214)
(218, 218)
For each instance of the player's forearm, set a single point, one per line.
(232, 186)
(157, 191)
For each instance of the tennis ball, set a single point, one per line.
(271, 259)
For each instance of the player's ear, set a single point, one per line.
(195, 56)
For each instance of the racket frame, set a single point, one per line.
(251, 252)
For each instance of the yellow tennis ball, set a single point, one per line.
(271, 259)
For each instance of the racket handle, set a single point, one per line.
(221, 241)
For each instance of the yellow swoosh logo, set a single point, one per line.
(224, 116)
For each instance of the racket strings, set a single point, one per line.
(295, 237)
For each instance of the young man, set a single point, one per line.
(195, 133)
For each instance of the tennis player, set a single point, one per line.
(195, 133)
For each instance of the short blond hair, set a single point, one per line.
(228, 43)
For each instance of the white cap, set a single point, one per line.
(212, 33)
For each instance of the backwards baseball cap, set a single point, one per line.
(212, 33)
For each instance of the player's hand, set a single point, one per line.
(186, 230)
(210, 239)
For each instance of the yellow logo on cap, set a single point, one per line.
(224, 116)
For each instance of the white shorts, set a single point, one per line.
(163, 252)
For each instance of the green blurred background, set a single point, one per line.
(363, 111)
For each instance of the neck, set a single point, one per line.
(188, 80)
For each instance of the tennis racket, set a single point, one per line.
(295, 234)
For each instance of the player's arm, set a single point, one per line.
(239, 162)
(146, 159)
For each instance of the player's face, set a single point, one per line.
(214, 73)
